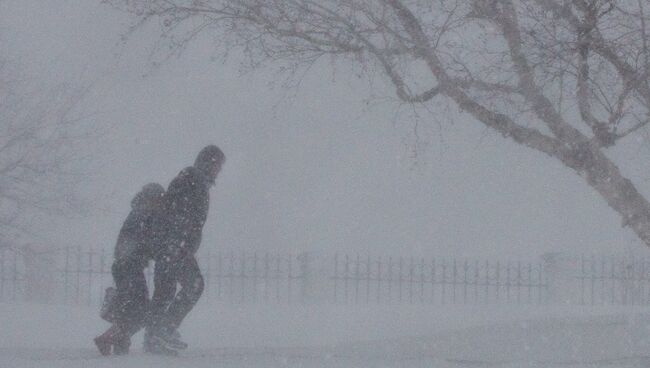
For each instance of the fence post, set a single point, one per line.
(422, 280)
(368, 277)
(593, 279)
(290, 278)
(78, 277)
(390, 279)
(242, 276)
(562, 278)
(454, 281)
(102, 267)
(66, 276)
(357, 279)
(476, 275)
(255, 277)
(2, 274)
(433, 280)
(336, 277)
(400, 278)
(90, 276)
(487, 282)
(208, 275)
(15, 277)
(411, 280)
(315, 277)
(443, 281)
(346, 278)
(305, 276)
(34, 275)
(220, 274)
(379, 280)
(465, 282)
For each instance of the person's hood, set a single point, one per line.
(209, 156)
(143, 200)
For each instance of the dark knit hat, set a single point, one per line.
(209, 156)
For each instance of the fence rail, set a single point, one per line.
(78, 276)
(251, 277)
(613, 280)
(445, 281)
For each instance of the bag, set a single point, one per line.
(107, 311)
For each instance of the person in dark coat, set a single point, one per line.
(186, 210)
(136, 245)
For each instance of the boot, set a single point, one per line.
(153, 345)
(105, 341)
(175, 341)
(103, 345)
(158, 349)
(169, 338)
(122, 346)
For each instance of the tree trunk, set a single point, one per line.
(605, 177)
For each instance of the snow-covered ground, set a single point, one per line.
(342, 336)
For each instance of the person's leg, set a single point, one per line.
(163, 294)
(164, 281)
(191, 281)
(186, 272)
(136, 308)
(106, 341)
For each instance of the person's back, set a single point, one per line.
(137, 235)
(187, 205)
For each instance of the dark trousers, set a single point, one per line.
(132, 296)
(168, 308)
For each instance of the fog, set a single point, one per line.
(335, 164)
(317, 168)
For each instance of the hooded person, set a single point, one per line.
(186, 210)
(137, 243)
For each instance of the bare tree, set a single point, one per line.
(39, 137)
(568, 78)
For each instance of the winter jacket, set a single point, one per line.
(140, 234)
(187, 203)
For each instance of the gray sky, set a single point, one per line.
(319, 170)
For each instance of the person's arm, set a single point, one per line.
(195, 232)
